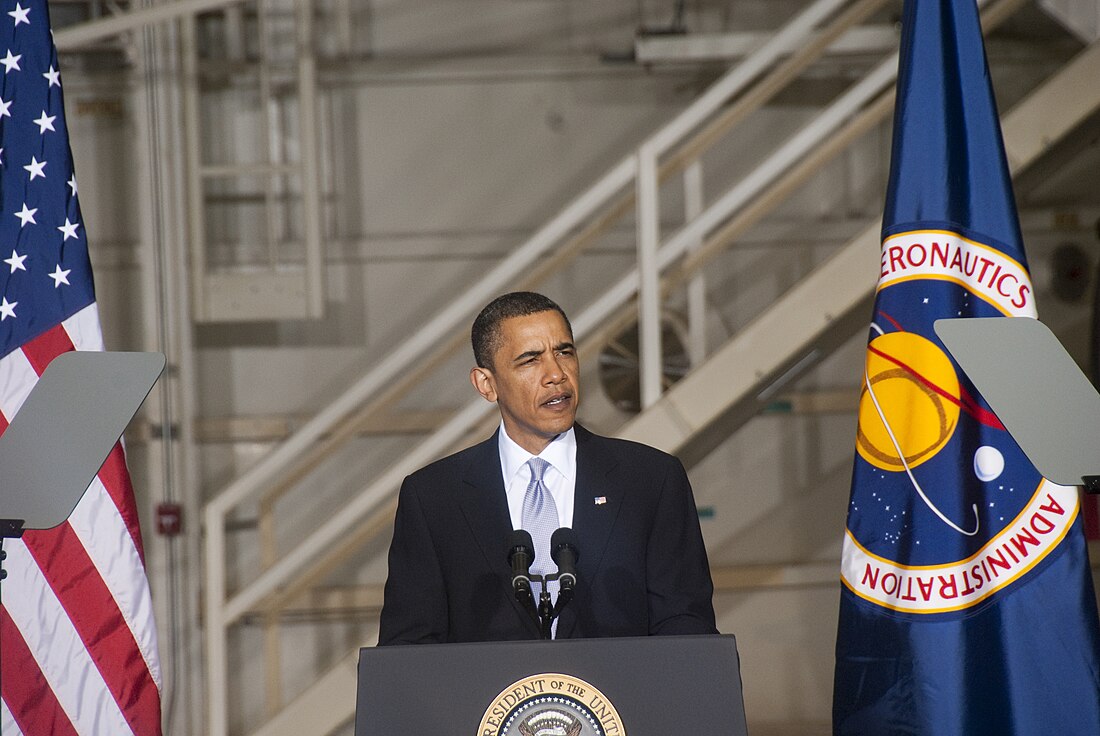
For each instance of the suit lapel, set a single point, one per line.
(484, 506)
(597, 499)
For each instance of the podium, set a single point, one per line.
(644, 686)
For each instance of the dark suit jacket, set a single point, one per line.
(642, 567)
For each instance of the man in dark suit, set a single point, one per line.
(642, 567)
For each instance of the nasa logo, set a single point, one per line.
(946, 510)
(551, 705)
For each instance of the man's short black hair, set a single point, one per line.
(485, 334)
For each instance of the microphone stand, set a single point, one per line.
(527, 599)
(547, 610)
(546, 613)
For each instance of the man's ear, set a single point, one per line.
(484, 384)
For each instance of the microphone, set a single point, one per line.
(564, 552)
(521, 553)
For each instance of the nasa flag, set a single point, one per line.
(967, 605)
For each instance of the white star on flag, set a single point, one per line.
(16, 262)
(20, 14)
(60, 276)
(45, 122)
(26, 215)
(72, 183)
(68, 229)
(5, 111)
(11, 62)
(7, 309)
(35, 168)
(53, 76)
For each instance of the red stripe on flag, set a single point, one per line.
(116, 479)
(97, 619)
(47, 346)
(26, 690)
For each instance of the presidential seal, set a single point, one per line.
(551, 705)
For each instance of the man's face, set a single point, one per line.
(534, 379)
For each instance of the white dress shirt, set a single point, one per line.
(560, 478)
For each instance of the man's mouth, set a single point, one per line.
(557, 400)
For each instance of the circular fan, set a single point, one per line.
(619, 364)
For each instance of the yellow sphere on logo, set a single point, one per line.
(911, 409)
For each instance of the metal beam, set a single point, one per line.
(82, 34)
(700, 47)
(745, 373)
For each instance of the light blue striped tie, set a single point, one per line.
(540, 518)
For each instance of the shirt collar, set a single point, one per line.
(561, 453)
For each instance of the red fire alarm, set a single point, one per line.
(169, 519)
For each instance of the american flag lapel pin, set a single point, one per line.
(600, 500)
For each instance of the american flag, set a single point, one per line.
(79, 651)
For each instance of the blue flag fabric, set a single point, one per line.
(50, 275)
(967, 605)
